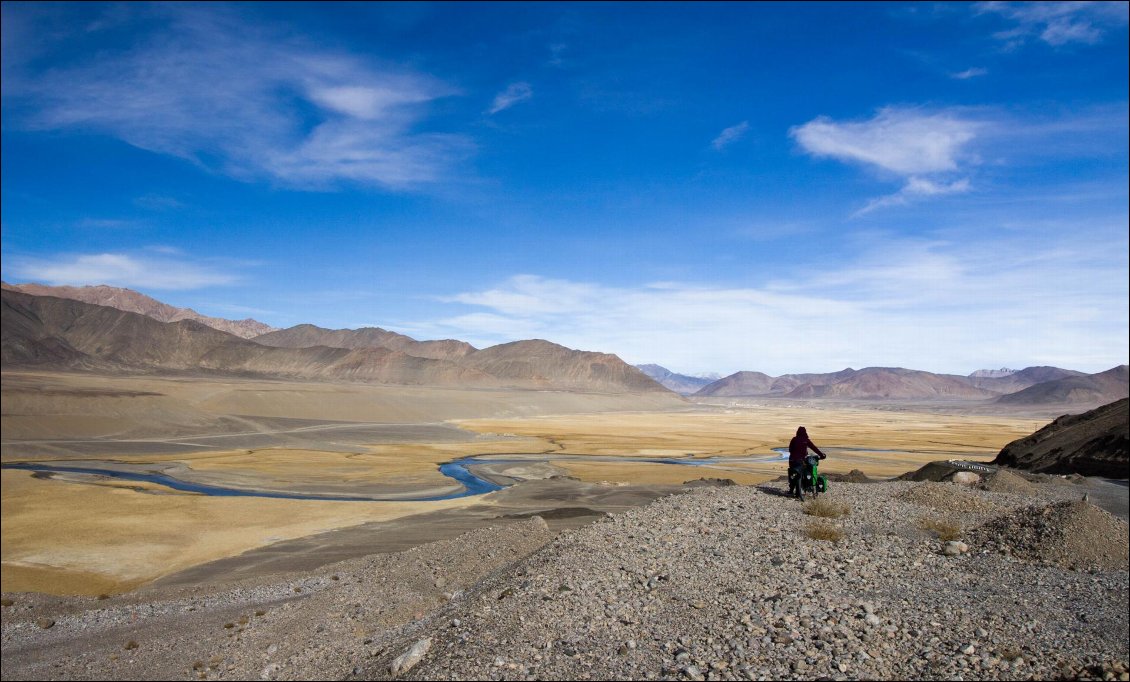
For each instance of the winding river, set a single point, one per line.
(459, 470)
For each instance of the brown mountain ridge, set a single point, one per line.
(1095, 443)
(1030, 386)
(137, 302)
(52, 332)
(305, 335)
(534, 363)
(1102, 387)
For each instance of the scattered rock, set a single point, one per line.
(1072, 534)
(1005, 481)
(967, 478)
(709, 482)
(947, 498)
(955, 548)
(407, 660)
(710, 583)
(853, 476)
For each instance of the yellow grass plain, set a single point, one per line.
(62, 537)
(912, 438)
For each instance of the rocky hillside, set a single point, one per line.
(992, 373)
(44, 330)
(54, 332)
(543, 364)
(739, 383)
(679, 383)
(890, 383)
(1086, 388)
(306, 335)
(533, 363)
(716, 583)
(1019, 380)
(731, 584)
(1095, 443)
(1029, 386)
(789, 382)
(136, 302)
(893, 383)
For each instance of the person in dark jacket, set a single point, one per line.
(798, 450)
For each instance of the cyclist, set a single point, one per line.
(798, 450)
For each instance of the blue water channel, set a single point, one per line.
(456, 469)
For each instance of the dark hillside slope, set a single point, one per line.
(46, 330)
(537, 363)
(1095, 443)
(1103, 387)
(893, 383)
(66, 334)
(137, 302)
(306, 335)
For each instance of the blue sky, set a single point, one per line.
(712, 187)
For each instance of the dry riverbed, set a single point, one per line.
(82, 535)
(714, 583)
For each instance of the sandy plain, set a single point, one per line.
(75, 534)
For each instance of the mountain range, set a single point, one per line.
(52, 332)
(137, 302)
(679, 383)
(1030, 386)
(109, 328)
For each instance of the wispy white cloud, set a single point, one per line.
(730, 135)
(513, 94)
(972, 72)
(250, 102)
(1058, 23)
(902, 141)
(138, 271)
(930, 305)
(928, 150)
(915, 188)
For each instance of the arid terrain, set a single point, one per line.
(82, 533)
(737, 582)
(180, 502)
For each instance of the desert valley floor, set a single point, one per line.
(570, 457)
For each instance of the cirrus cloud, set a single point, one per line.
(248, 101)
(902, 141)
(513, 94)
(730, 135)
(947, 306)
(927, 150)
(136, 271)
(1057, 23)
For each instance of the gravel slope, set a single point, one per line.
(715, 583)
(719, 584)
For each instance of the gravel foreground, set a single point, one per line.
(715, 583)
